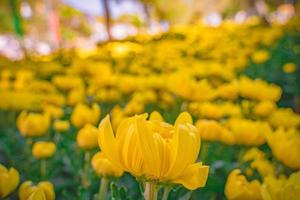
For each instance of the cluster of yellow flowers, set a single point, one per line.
(10, 179)
(285, 146)
(279, 188)
(234, 131)
(152, 150)
(149, 71)
(259, 162)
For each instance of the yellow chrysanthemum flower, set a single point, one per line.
(33, 124)
(87, 137)
(9, 180)
(42, 150)
(83, 114)
(239, 188)
(42, 191)
(146, 153)
(103, 167)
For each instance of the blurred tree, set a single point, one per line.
(147, 4)
(6, 23)
(52, 7)
(73, 23)
(15, 9)
(174, 12)
(185, 11)
(107, 15)
(11, 20)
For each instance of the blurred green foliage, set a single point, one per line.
(287, 50)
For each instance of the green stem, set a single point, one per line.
(103, 188)
(29, 142)
(28, 145)
(56, 137)
(167, 190)
(16, 17)
(240, 156)
(150, 191)
(43, 168)
(86, 170)
(204, 151)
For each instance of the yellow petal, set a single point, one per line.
(25, 190)
(37, 195)
(14, 178)
(164, 155)
(148, 146)
(123, 128)
(4, 190)
(156, 116)
(125, 143)
(183, 118)
(185, 146)
(107, 141)
(9, 180)
(3, 169)
(48, 190)
(194, 176)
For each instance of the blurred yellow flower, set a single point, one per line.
(258, 89)
(9, 180)
(253, 154)
(211, 130)
(33, 124)
(83, 114)
(284, 117)
(146, 153)
(108, 95)
(282, 188)
(289, 68)
(259, 162)
(167, 99)
(54, 112)
(118, 115)
(42, 191)
(103, 167)
(61, 125)
(264, 167)
(76, 96)
(260, 56)
(23, 77)
(134, 107)
(87, 137)
(248, 132)
(285, 146)
(229, 91)
(42, 150)
(65, 82)
(264, 108)
(213, 110)
(121, 49)
(239, 188)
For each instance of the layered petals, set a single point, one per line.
(42, 191)
(155, 150)
(9, 180)
(194, 176)
(107, 141)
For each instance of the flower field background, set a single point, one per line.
(239, 82)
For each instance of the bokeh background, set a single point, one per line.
(232, 64)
